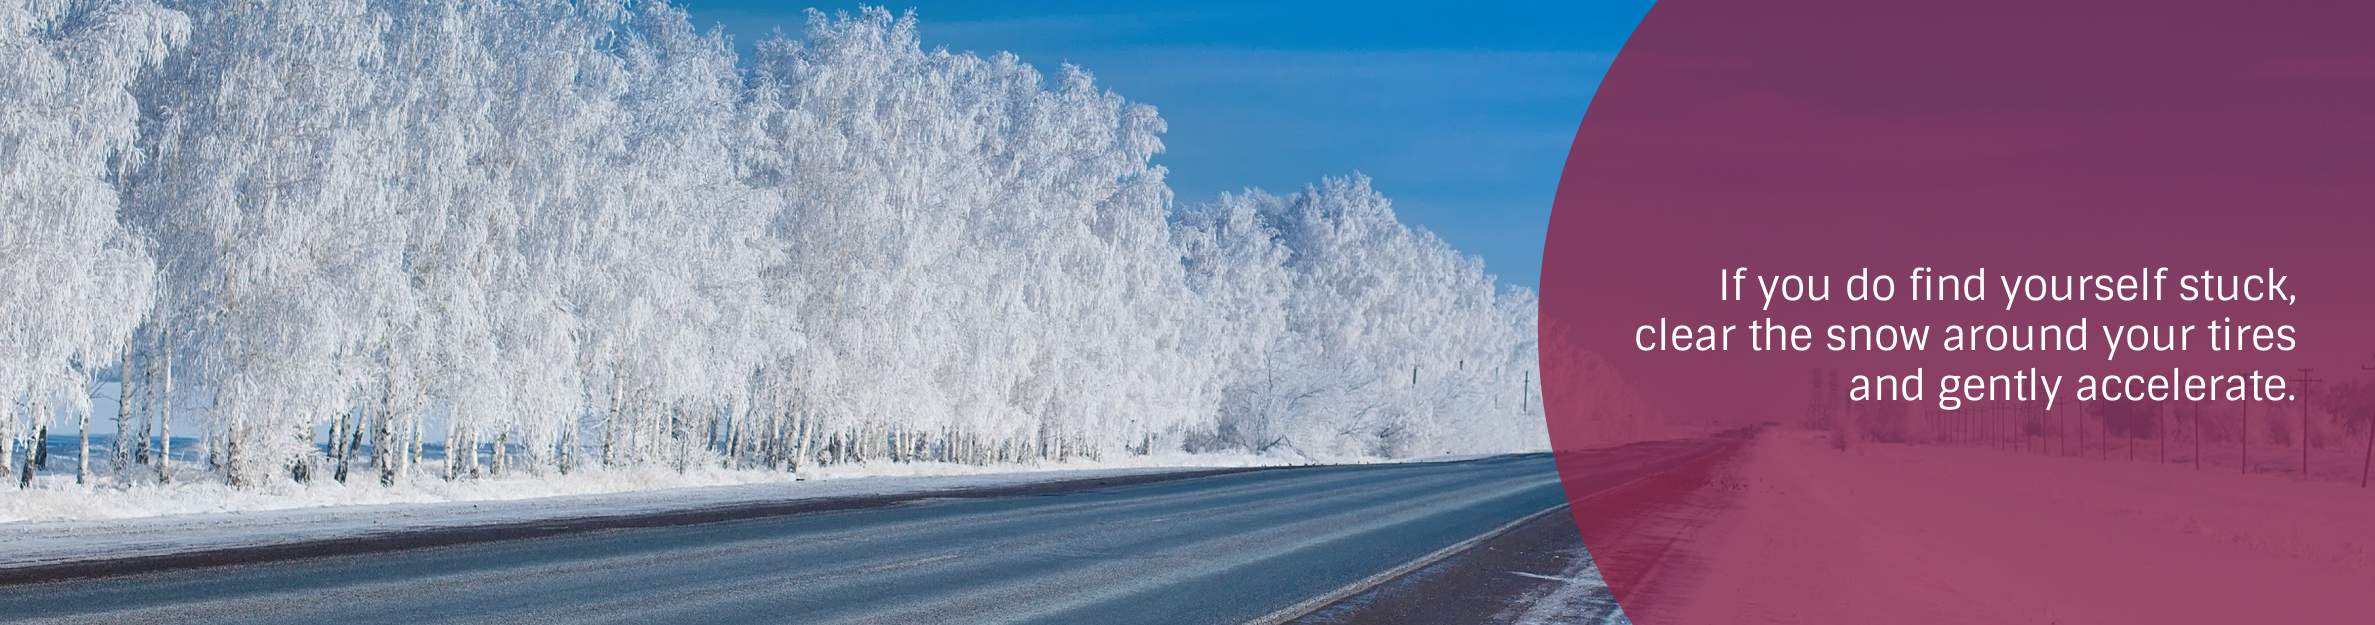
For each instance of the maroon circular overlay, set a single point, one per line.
(1738, 140)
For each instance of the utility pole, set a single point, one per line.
(1815, 412)
(2370, 462)
(2305, 422)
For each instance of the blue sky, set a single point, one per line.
(1463, 117)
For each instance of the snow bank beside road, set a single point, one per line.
(246, 519)
(62, 523)
(58, 498)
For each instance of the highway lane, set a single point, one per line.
(1216, 549)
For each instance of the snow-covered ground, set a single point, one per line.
(61, 522)
(1580, 597)
(1888, 533)
(57, 498)
(94, 524)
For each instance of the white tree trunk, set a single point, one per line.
(123, 406)
(165, 406)
(82, 460)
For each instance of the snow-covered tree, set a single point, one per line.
(448, 239)
(77, 281)
(977, 258)
(1356, 335)
(269, 192)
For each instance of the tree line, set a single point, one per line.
(330, 238)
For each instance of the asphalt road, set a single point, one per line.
(1217, 549)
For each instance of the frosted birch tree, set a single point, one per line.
(77, 281)
(269, 192)
(458, 239)
(977, 260)
(1359, 336)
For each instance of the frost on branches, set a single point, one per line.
(388, 241)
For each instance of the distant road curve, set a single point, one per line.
(1228, 548)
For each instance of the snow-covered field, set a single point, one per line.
(1889, 533)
